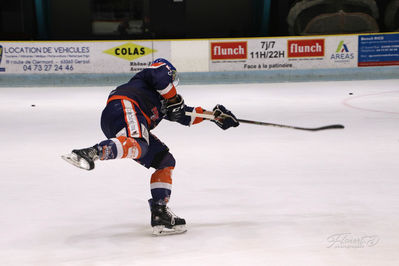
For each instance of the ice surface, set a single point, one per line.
(251, 195)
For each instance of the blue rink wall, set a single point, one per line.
(372, 73)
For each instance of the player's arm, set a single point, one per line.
(176, 111)
(163, 82)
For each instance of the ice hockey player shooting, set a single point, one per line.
(132, 111)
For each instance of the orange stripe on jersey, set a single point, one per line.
(120, 97)
(162, 175)
(171, 93)
(197, 120)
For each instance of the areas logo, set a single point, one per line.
(229, 50)
(306, 48)
(342, 54)
(342, 47)
(129, 51)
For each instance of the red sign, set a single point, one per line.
(306, 48)
(228, 50)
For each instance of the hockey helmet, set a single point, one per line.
(172, 72)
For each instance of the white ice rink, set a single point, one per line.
(251, 195)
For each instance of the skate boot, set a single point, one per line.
(83, 158)
(165, 222)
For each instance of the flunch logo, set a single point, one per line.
(130, 51)
(228, 50)
(306, 48)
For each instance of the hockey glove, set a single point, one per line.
(175, 108)
(224, 118)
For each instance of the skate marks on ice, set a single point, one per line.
(119, 233)
(133, 232)
(114, 233)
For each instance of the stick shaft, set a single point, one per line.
(211, 117)
(205, 116)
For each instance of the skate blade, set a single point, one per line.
(161, 230)
(76, 161)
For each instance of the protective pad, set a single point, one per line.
(154, 153)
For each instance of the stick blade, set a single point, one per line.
(336, 126)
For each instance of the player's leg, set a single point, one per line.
(158, 157)
(163, 220)
(126, 129)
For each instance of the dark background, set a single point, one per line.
(169, 19)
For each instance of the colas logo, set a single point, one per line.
(342, 53)
(130, 51)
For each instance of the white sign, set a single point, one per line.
(283, 53)
(80, 57)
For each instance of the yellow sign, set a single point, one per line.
(130, 51)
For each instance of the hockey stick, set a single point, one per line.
(211, 117)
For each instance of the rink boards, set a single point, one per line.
(201, 55)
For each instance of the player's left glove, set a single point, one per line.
(175, 108)
(224, 118)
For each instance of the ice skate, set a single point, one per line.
(83, 158)
(165, 222)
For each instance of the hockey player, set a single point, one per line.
(132, 111)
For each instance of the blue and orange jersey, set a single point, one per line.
(148, 90)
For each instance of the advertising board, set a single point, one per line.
(283, 53)
(80, 57)
(378, 50)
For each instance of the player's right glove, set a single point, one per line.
(224, 118)
(175, 108)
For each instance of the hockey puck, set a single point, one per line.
(350, 93)
(33, 105)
